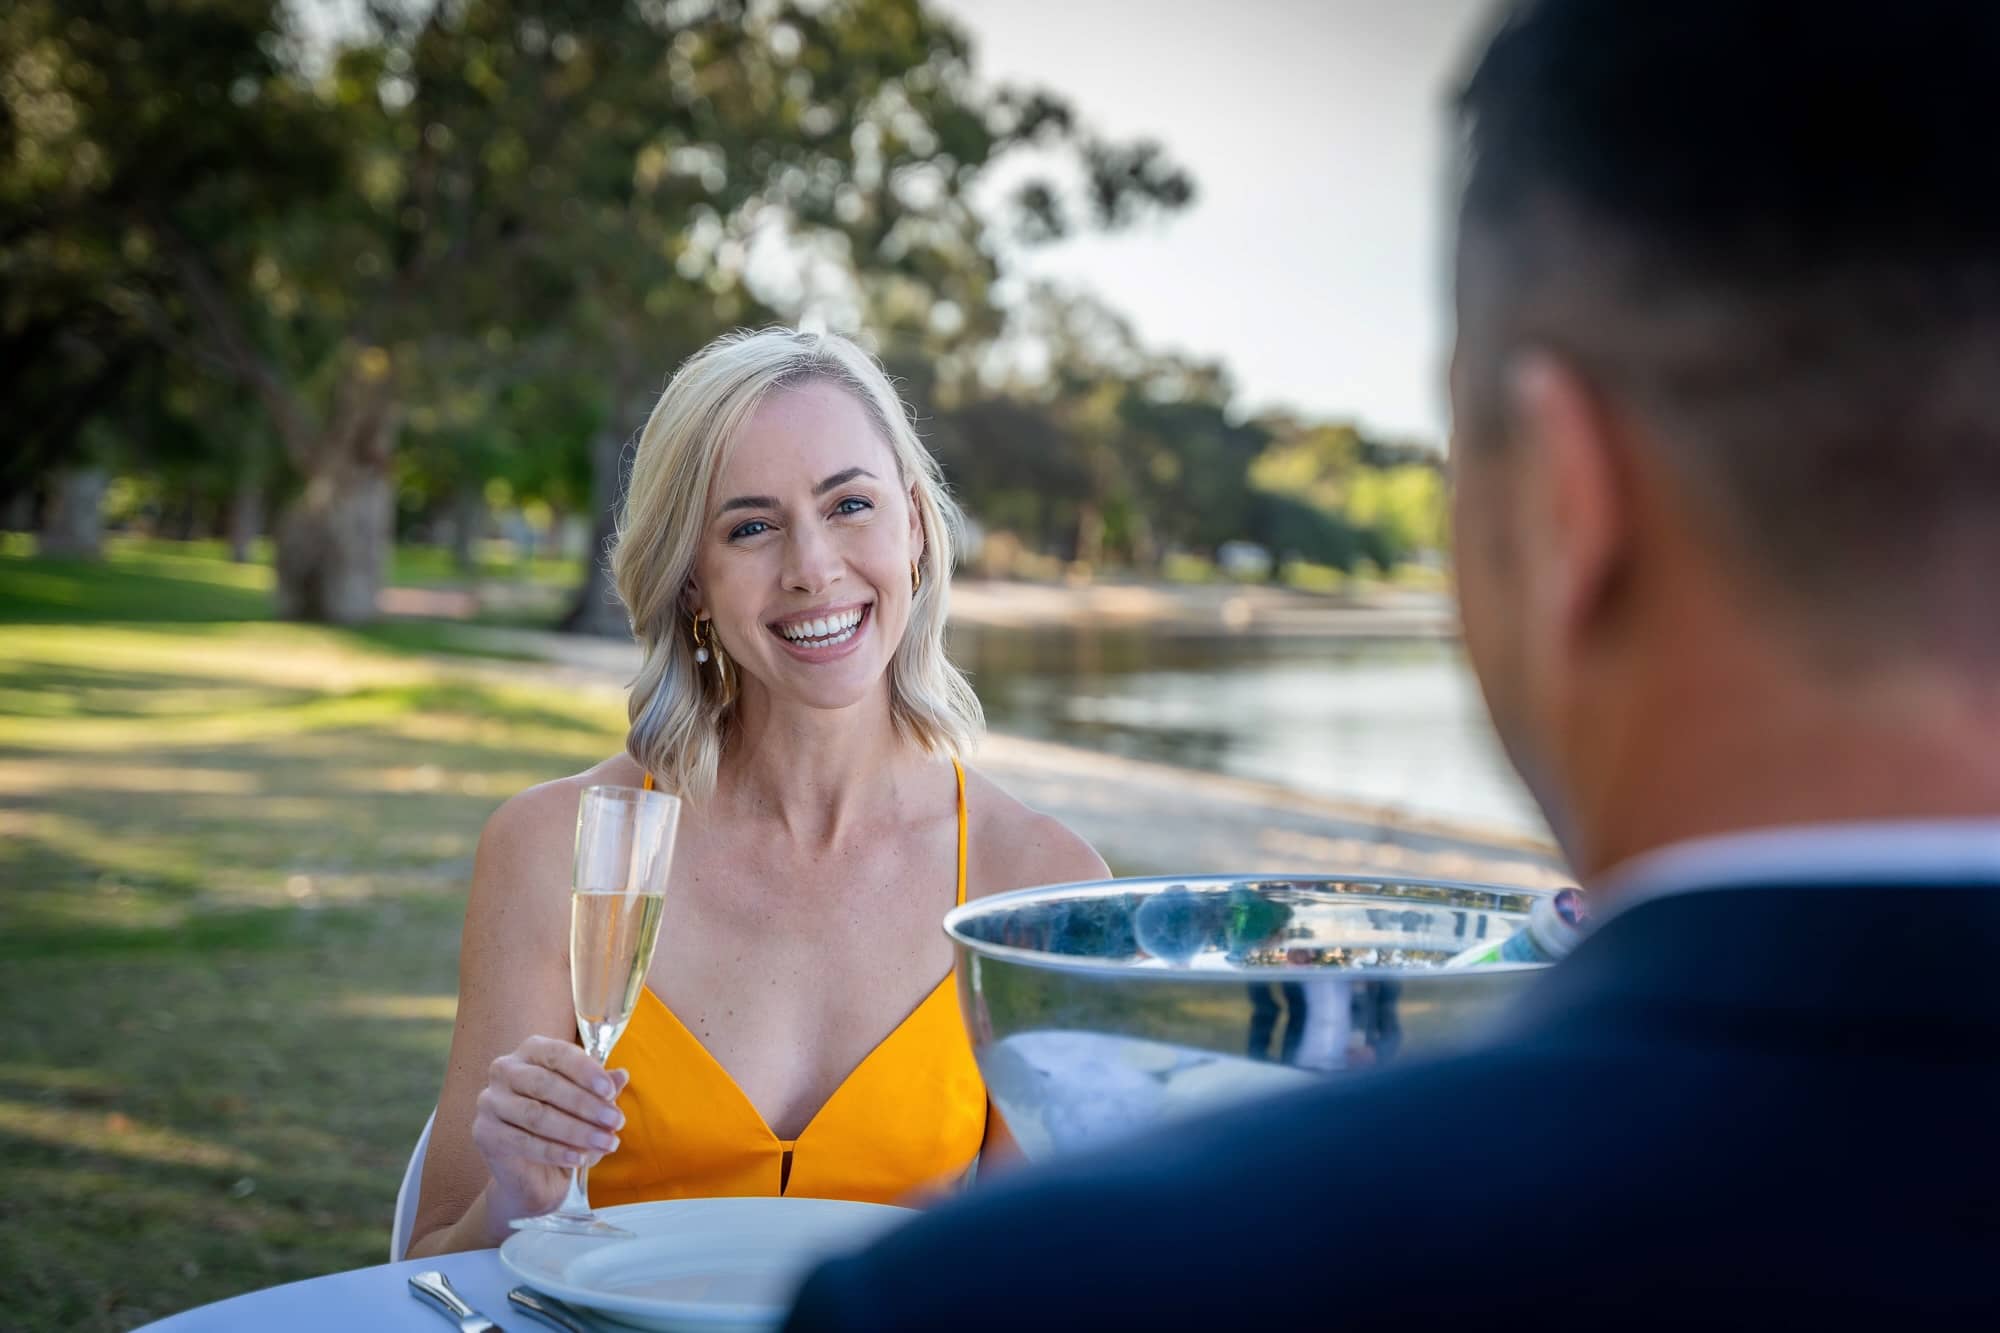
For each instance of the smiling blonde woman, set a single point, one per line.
(784, 555)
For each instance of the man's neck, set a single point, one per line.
(1704, 758)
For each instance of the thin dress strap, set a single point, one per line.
(955, 767)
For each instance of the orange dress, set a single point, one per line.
(909, 1118)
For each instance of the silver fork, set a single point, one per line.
(435, 1290)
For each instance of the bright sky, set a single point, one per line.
(1312, 261)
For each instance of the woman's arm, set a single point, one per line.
(1014, 847)
(511, 1074)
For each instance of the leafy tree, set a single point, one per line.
(1387, 498)
(415, 213)
(1404, 504)
(105, 110)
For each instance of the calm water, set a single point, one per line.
(1395, 723)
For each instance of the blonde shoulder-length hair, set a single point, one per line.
(681, 714)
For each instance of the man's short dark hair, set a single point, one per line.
(1770, 229)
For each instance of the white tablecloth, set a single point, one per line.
(367, 1298)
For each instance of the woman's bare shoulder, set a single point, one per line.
(532, 830)
(528, 813)
(1014, 847)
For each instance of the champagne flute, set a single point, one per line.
(624, 844)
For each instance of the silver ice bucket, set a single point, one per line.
(1097, 1010)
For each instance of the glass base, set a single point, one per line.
(571, 1224)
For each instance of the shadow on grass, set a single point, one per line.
(229, 924)
(134, 586)
(322, 817)
(473, 699)
(446, 638)
(158, 584)
(48, 689)
(40, 931)
(191, 1132)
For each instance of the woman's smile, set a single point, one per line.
(824, 633)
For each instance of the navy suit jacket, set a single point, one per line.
(1747, 1107)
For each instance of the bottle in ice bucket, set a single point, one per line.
(1555, 924)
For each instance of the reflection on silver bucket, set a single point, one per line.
(1100, 1009)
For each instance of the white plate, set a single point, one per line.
(697, 1263)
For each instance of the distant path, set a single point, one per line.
(1212, 608)
(1148, 817)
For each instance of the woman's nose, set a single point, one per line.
(812, 561)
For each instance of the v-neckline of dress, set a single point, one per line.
(847, 1081)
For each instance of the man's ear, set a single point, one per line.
(1575, 517)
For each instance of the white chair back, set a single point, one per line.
(406, 1197)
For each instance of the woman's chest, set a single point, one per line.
(789, 970)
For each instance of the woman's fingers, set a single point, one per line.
(549, 1104)
(501, 1141)
(568, 1060)
(544, 1121)
(547, 1085)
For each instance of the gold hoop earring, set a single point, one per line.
(916, 577)
(708, 648)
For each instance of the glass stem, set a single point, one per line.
(576, 1200)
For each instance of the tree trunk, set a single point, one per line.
(187, 514)
(73, 523)
(468, 524)
(333, 545)
(597, 609)
(17, 513)
(246, 516)
(334, 541)
(551, 541)
(1090, 537)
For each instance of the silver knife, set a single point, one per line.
(554, 1313)
(435, 1290)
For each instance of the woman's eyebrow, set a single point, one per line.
(842, 478)
(771, 501)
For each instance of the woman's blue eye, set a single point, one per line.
(750, 529)
(853, 504)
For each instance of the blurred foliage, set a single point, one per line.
(1080, 440)
(346, 262)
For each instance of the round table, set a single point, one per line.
(372, 1298)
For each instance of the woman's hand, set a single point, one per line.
(546, 1107)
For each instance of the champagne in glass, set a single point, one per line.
(624, 844)
(611, 937)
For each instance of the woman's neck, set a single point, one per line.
(815, 771)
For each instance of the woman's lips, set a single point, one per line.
(822, 638)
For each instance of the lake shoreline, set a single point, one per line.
(1148, 817)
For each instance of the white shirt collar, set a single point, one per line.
(1911, 851)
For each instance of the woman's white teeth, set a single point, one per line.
(823, 631)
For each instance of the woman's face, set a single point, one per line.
(805, 552)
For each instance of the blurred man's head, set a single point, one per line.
(1727, 379)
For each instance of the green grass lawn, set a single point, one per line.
(233, 858)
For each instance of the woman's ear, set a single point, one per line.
(916, 524)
